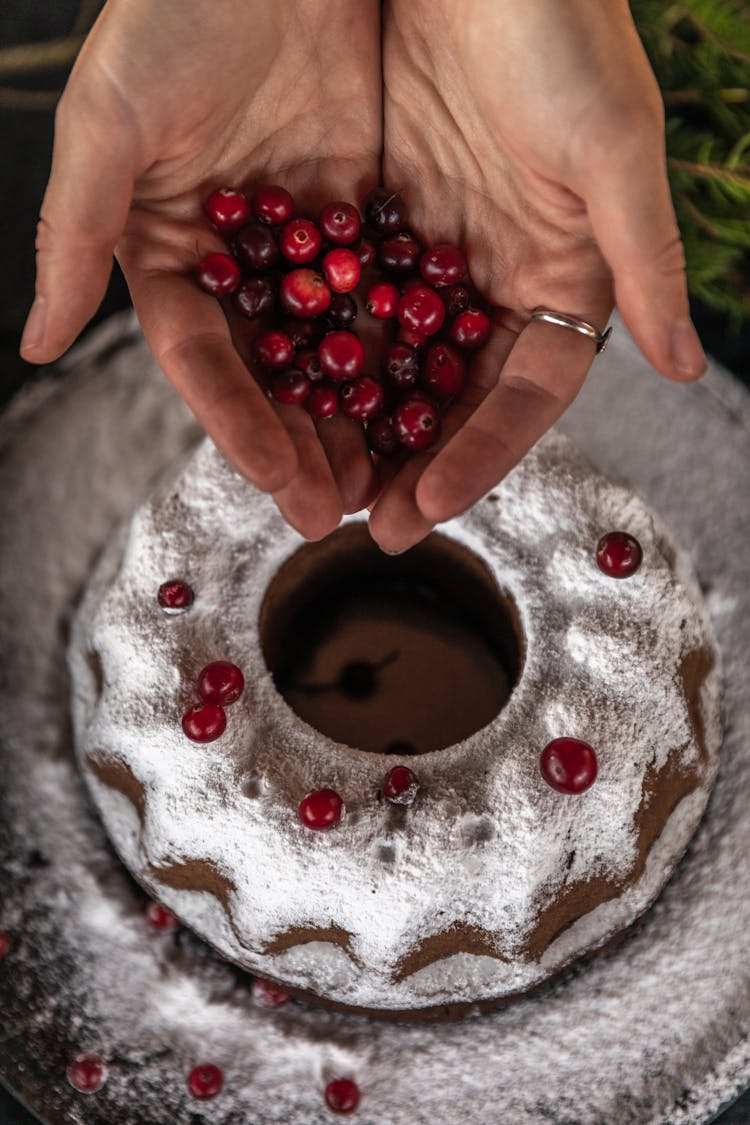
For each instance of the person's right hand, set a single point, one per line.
(166, 102)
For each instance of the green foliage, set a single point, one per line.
(700, 52)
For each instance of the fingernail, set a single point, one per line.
(687, 353)
(34, 330)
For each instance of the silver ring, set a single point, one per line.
(564, 320)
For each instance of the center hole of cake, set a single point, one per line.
(395, 655)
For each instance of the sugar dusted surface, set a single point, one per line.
(633, 1044)
(602, 662)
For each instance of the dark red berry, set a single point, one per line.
(421, 310)
(321, 809)
(290, 387)
(416, 423)
(204, 723)
(275, 349)
(256, 248)
(227, 208)
(255, 297)
(361, 399)
(342, 1095)
(309, 364)
(443, 371)
(87, 1073)
(401, 366)
(302, 333)
(381, 437)
(456, 298)
(365, 251)
(323, 401)
(618, 554)
(568, 765)
(470, 329)
(341, 355)
(159, 918)
(400, 786)
(273, 204)
(382, 300)
(340, 223)
(342, 311)
(218, 274)
(399, 253)
(175, 595)
(268, 995)
(220, 682)
(300, 241)
(205, 1081)
(442, 264)
(385, 211)
(5, 944)
(304, 293)
(342, 269)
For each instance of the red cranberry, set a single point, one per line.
(382, 300)
(443, 264)
(400, 786)
(304, 293)
(205, 1081)
(87, 1073)
(416, 423)
(340, 223)
(342, 1095)
(268, 995)
(342, 269)
(341, 355)
(568, 765)
(227, 208)
(321, 809)
(399, 253)
(302, 333)
(470, 329)
(255, 246)
(456, 298)
(618, 554)
(444, 371)
(365, 251)
(361, 399)
(401, 366)
(218, 274)
(255, 297)
(421, 310)
(385, 211)
(290, 387)
(323, 401)
(175, 595)
(309, 364)
(204, 723)
(159, 918)
(381, 437)
(4, 944)
(342, 311)
(300, 241)
(273, 204)
(275, 349)
(221, 682)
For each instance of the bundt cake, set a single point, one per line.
(434, 867)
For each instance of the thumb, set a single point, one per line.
(633, 220)
(83, 214)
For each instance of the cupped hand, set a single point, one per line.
(168, 101)
(531, 134)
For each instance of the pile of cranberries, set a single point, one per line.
(307, 281)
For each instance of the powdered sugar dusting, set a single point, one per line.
(630, 1042)
(538, 536)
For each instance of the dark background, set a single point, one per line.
(28, 89)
